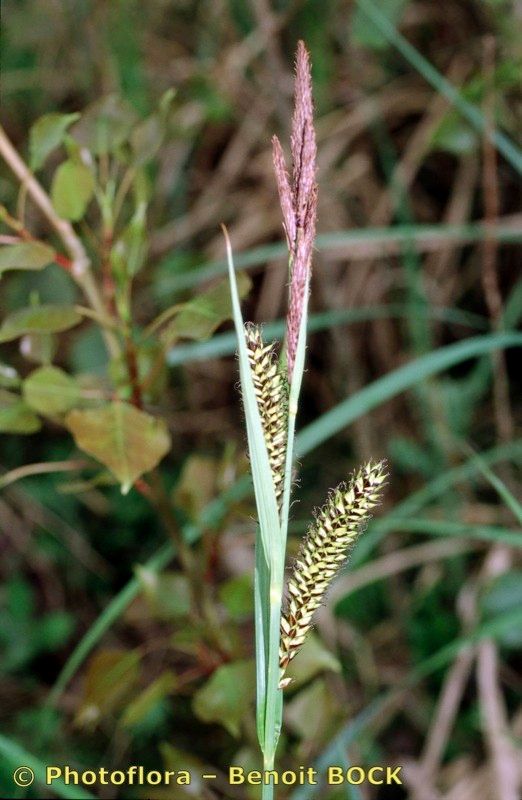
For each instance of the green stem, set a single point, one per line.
(267, 789)
(274, 695)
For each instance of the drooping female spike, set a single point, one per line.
(271, 390)
(324, 551)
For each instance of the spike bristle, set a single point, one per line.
(271, 390)
(324, 551)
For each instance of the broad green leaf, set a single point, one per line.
(199, 318)
(126, 440)
(197, 484)
(40, 348)
(49, 390)
(25, 255)
(105, 125)
(16, 416)
(72, 189)
(182, 761)
(226, 698)
(46, 134)
(9, 377)
(111, 676)
(237, 595)
(147, 138)
(363, 29)
(138, 709)
(38, 319)
(313, 712)
(129, 252)
(168, 594)
(312, 659)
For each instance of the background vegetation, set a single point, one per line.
(126, 629)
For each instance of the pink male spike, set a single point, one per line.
(298, 201)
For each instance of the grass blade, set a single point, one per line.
(398, 381)
(359, 404)
(487, 630)
(18, 756)
(436, 527)
(269, 576)
(110, 614)
(259, 461)
(224, 344)
(470, 112)
(362, 243)
(262, 622)
(431, 491)
(500, 487)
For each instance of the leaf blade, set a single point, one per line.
(25, 256)
(40, 319)
(128, 441)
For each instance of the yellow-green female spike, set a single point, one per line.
(271, 389)
(324, 551)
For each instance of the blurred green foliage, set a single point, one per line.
(134, 118)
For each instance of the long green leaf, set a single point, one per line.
(18, 757)
(269, 576)
(500, 487)
(438, 527)
(356, 242)
(274, 709)
(262, 624)
(215, 512)
(491, 629)
(225, 344)
(110, 614)
(266, 502)
(470, 112)
(431, 491)
(398, 381)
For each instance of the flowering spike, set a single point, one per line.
(285, 191)
(324, 551)
(298, 200)
(271, 390)
(304, 149)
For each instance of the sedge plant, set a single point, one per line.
(270, 386)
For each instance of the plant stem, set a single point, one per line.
(81, 265)
(133, 372)
(267, 789)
